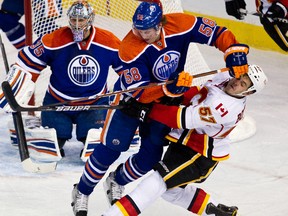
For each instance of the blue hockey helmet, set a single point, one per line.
(147, 15)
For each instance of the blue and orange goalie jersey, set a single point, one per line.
(78, 69)
(148, 63)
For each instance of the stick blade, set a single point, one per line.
(29, 166)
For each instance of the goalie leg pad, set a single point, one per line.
(22, 86)
(29, 121)
(93, 139)
(42, 144)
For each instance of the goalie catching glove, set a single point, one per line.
(181, 82)
(236, 59)
(22, 86)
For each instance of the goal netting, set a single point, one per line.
(114, 15)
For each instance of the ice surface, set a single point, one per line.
(255, 178)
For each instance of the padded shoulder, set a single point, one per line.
(179, 23)
(106, 38)
(131, 47)
(58, 37)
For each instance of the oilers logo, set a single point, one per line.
(83, 70)
(166, 64)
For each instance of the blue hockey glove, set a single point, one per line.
(276, 10)
(236, 59)
(181, 83)
(236, 8)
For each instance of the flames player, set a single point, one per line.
(79, 56)
(273, 17)
(198, 142)
(153, 51)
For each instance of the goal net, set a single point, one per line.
(114, 15)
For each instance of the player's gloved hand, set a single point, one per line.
(181, 82)
(276, 10)
(236, 59)
(133, 108)
(236, 8)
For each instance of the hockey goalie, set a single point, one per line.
(79, 56)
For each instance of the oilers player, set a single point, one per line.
(12, 11)
(10, 14)
(198, 142)
(153, 51)
(79, 56)
(273, 17)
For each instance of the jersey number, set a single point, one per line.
(132, 75)
(207, 28)
(206, 114)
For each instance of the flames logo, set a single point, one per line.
(83, 70)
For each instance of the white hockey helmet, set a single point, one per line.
(80, 10)
(258, 78)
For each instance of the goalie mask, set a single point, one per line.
(258, 79)
(81, 17)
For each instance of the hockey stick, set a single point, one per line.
(59, 108)
(26, 161)
(137, 88)
(281, 20)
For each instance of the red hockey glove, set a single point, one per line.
(236, 59)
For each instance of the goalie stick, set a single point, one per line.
(53, 107)
(60, 107)
(26, 161)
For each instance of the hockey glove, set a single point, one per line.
(276, 10)
(181, 82)
(135, 109)
(236, 59)
(236, 8)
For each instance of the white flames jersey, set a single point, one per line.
(212, 114)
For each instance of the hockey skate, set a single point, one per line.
(114, 191)
(79, 202)
(221, 210)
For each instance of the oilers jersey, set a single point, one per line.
(78, 69)
(147, 63)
